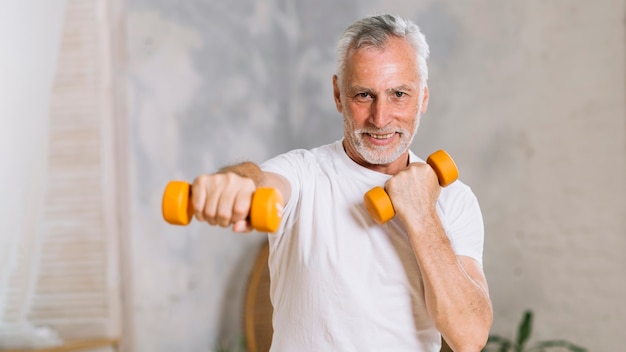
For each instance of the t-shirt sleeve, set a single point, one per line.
(463, 221)
(292, 166)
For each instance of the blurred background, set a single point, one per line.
(103, 102)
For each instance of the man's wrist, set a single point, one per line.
(245, 169)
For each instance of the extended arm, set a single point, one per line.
(223, 198)
(456, 292)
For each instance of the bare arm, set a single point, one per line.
(456, 292)
(223, 198)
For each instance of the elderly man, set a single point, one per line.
(339, 280)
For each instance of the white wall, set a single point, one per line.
(528, 96)
(541, 135)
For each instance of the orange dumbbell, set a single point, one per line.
(265, 207)
(378, 203)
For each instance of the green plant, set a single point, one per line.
(524, 331)
(241, 347)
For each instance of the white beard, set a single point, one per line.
(377, 155)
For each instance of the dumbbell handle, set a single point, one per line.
(378, 203)
(265, 207)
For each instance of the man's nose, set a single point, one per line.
(380, 112)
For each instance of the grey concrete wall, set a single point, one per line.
(528, 96)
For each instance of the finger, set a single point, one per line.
(209, 213)
(241, 205)
(198, 199)
(204, 199)
(224, 208)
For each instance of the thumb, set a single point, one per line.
(241, 226)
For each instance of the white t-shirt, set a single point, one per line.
(341, 282)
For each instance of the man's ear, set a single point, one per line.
(424, 102)
(337, 94)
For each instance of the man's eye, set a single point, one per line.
(400, 94)
(363, 95)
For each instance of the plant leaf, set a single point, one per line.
(524, 331)
(243, 344)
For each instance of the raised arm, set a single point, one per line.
(456, 292)
(223, 198)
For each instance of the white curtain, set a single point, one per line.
(30, 33)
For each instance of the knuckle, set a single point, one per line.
(201, 180)
(208, 214)
(229, 178)
(391, 183)
(240, 211)
(223, 216)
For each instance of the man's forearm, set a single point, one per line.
(457, 299)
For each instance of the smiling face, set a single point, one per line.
(381, 100)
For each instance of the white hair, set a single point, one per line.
(375, 31)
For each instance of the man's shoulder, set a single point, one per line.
(305, 158)
(317, 154)
(457, 196)
(326, 149)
